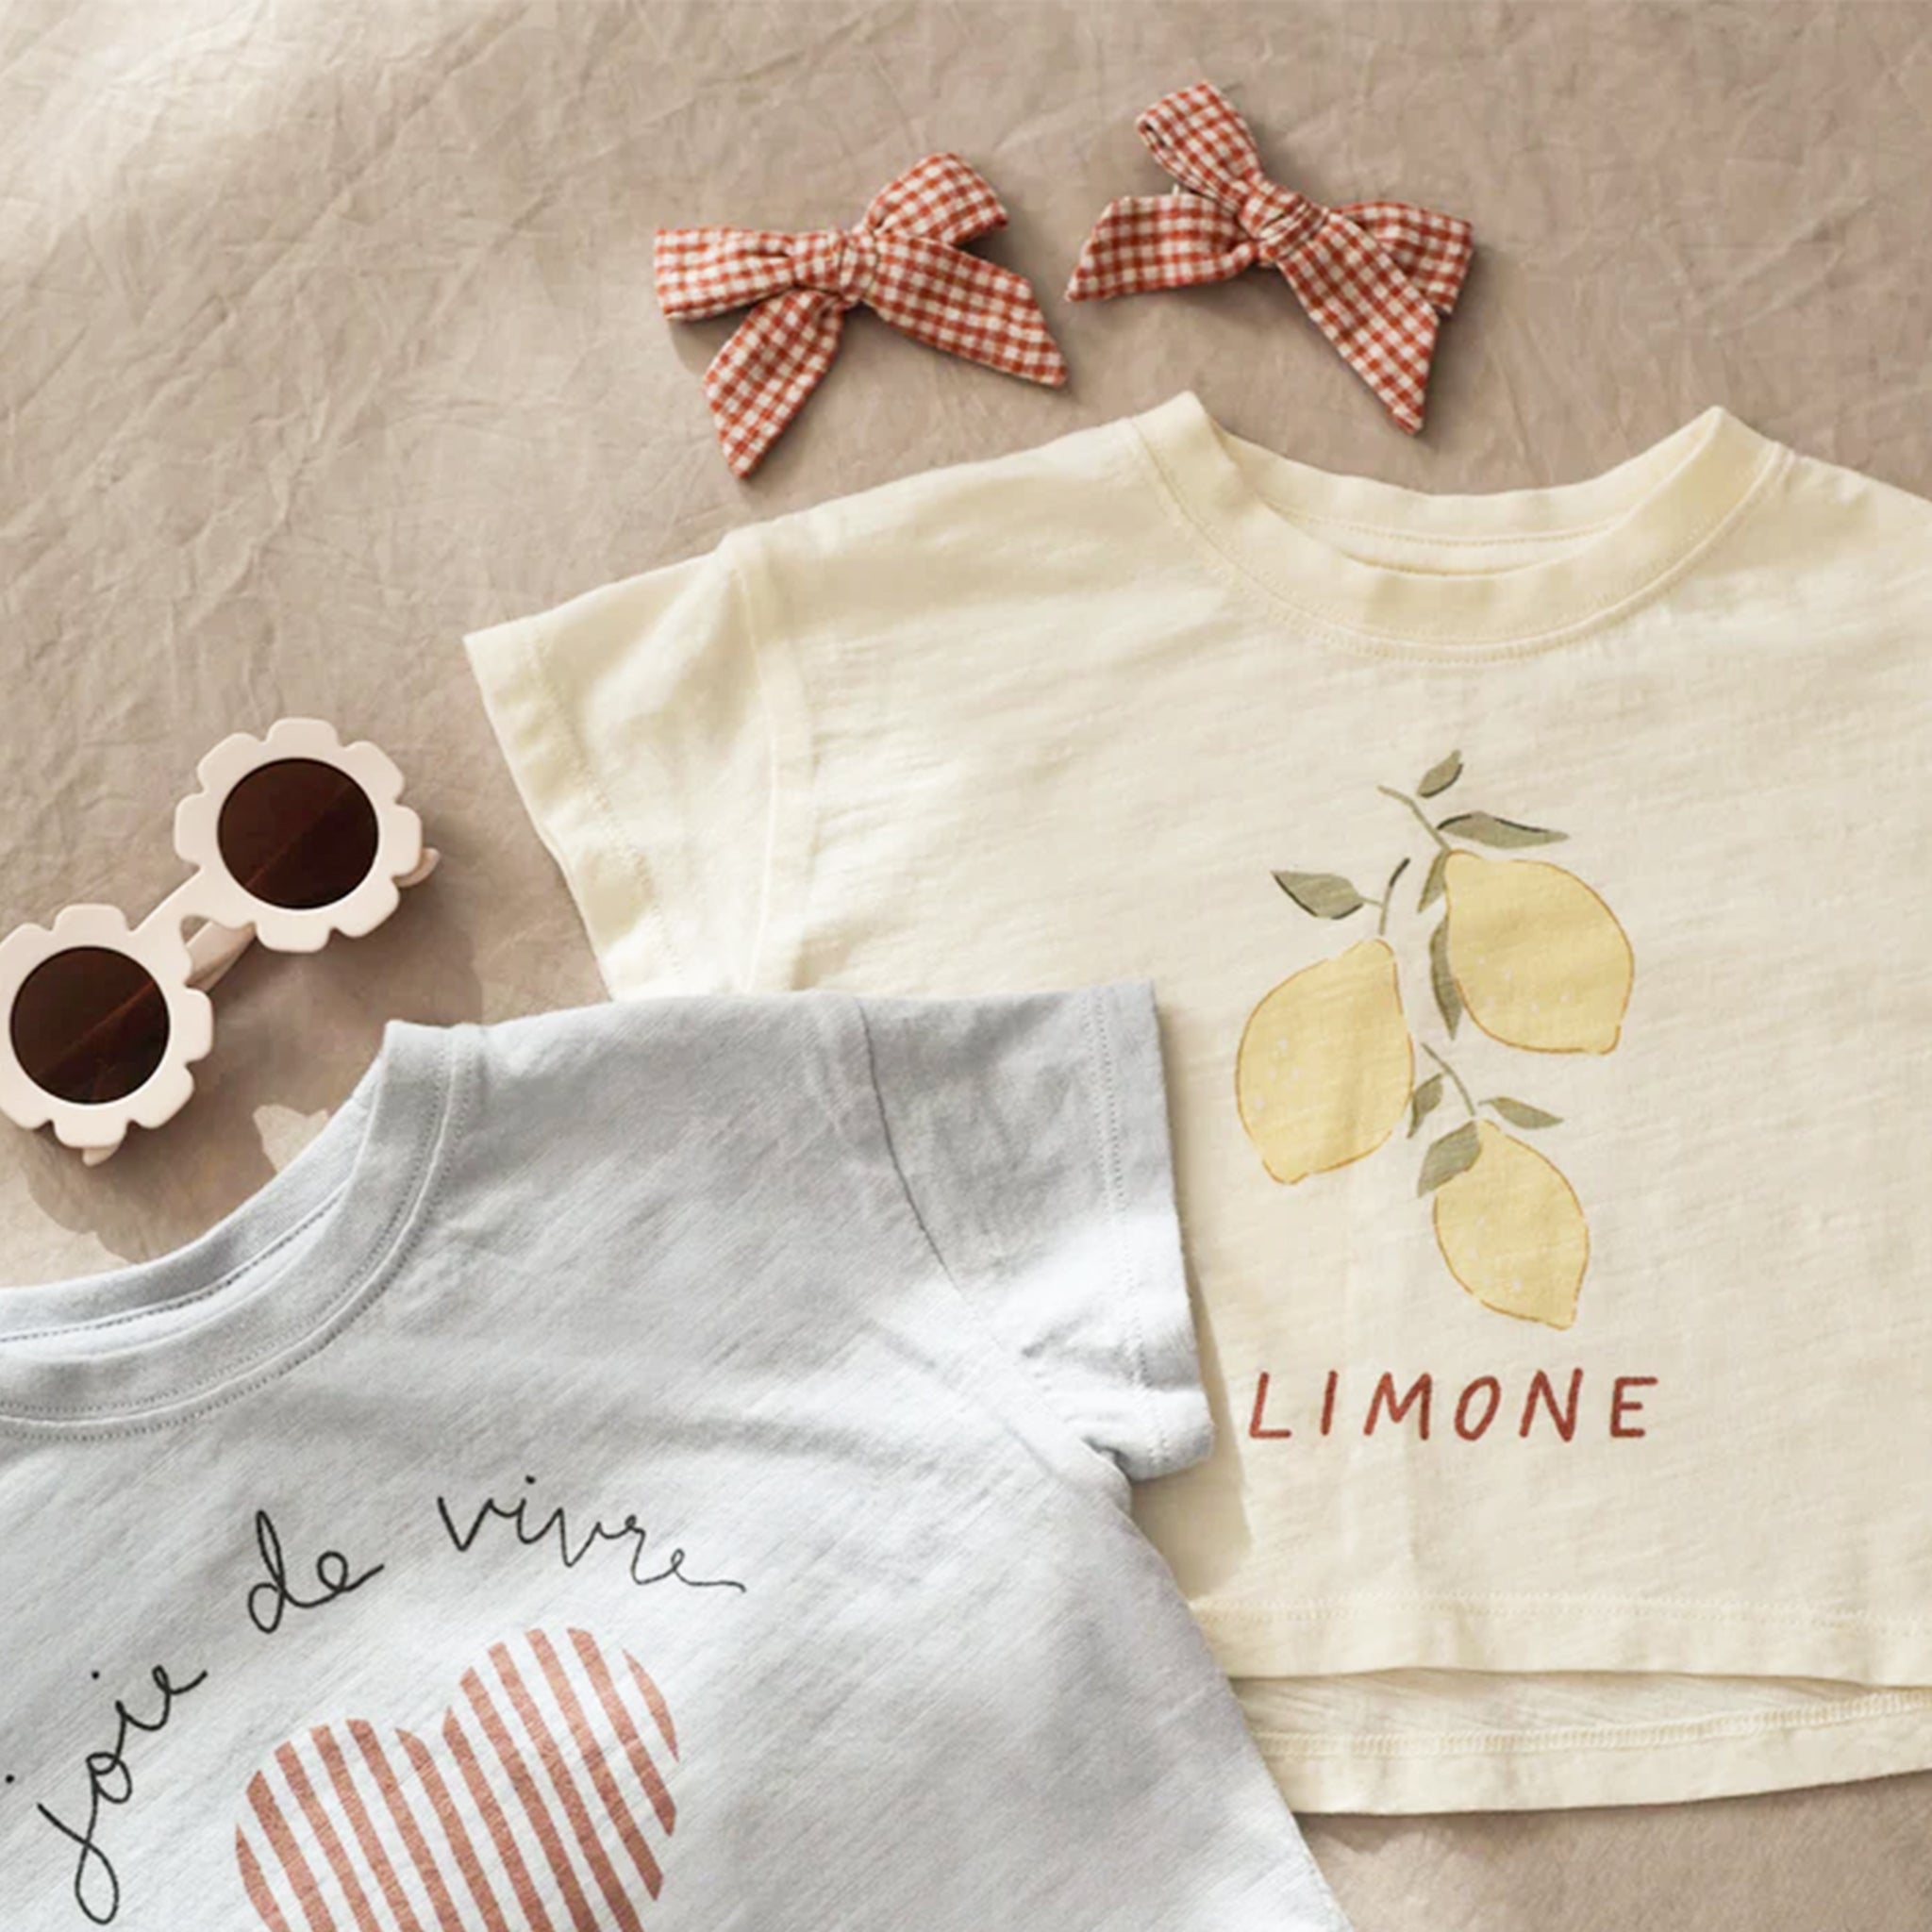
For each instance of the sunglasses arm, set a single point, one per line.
(212, 948)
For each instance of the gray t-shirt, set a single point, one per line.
(664, 1465)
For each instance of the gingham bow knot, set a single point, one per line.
(834, 263)
(903, 262)
(1275, 219)
(1372, 274)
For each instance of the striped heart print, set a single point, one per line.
(532, 1807)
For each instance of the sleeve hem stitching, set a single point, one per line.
(1107, 1103)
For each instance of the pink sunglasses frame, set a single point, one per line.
(231, 917)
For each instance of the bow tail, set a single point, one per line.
(760, 378)
(703, 271)
(966, 306)
(1433, 251)
(1363, 302)
(1143, 243)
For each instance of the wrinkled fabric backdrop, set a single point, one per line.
(328, 332)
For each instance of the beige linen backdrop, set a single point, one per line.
(328, 332)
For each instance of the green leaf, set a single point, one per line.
(1453, 1154)
(1424, 1102)
(1432, 886)
(1448, 1000)
(1487, 830)
(1440, 777)
(1519, 1113)
(1326, 894)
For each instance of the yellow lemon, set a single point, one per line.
(1512, 1231)
(1325, 1066)
(1539, 958)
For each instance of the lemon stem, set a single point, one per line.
(1467, 1100)
(1421, 817)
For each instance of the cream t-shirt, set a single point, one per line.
(1536, 888)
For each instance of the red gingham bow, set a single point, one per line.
(1371, 275)
(903, 261)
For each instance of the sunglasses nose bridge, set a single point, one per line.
(183, 904)
(212, 946)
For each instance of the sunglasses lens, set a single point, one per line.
(89, 1025)
(298, 833)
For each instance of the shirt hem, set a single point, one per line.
(1880, 1723)
(1883, 1735)
(1557, 1631)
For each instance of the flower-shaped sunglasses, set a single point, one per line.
(292, 838)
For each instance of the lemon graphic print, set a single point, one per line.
(1512, 1231)
(1530, 954)
(1539, 958)
(1326, 1065)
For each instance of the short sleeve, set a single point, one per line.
(1031, 1135)
(644, 733)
